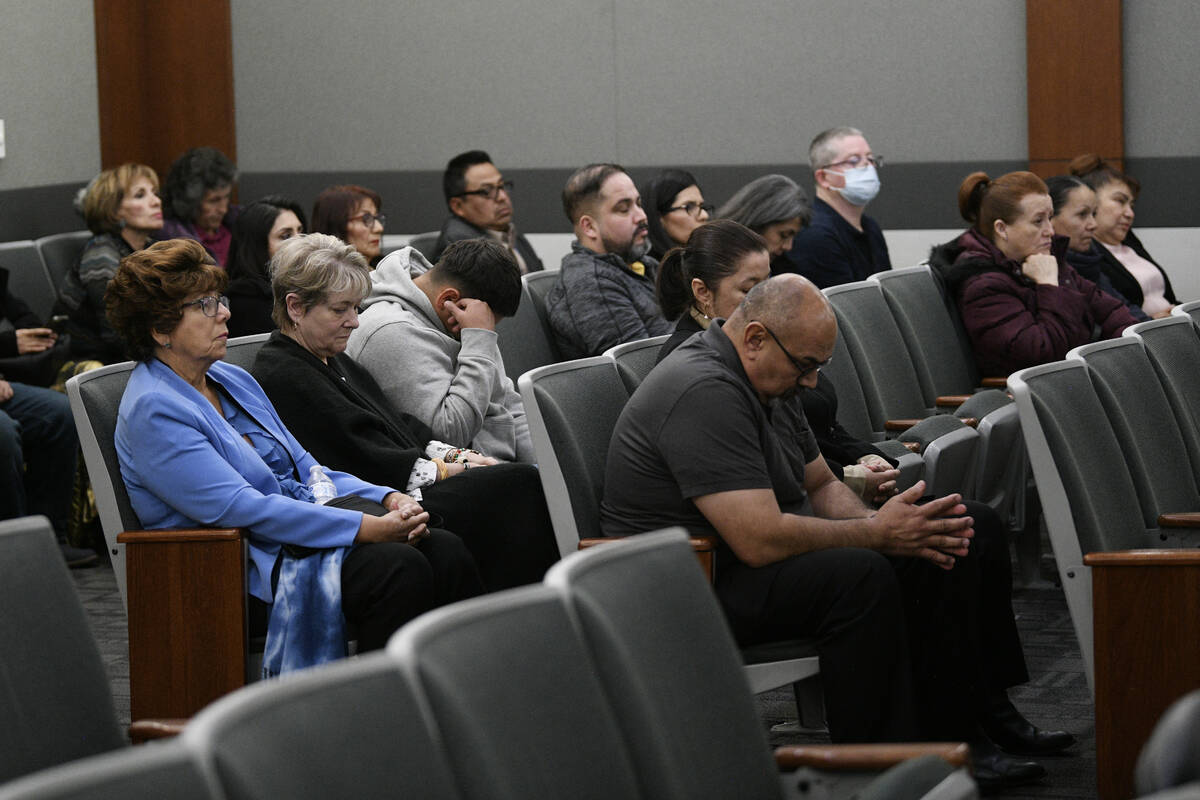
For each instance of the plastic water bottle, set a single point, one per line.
(322, 487)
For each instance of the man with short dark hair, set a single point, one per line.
(605, 290)
(841, 244)
(480, 203)
(705, 443)
(428, 336)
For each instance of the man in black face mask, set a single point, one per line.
(605, 291)
(841, 244)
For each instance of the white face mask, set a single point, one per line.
(862, 184)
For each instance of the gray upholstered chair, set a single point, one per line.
(524, 338)
(241, 350)
(184, 590)
(634, 360)
(354, 727)
(424, 243)
(1171, 756)
(572, 409)
(1190, 309)
(162, 770)
(519, 705)
(663, 652)
(1163, 468)
(1174, 349)
(60, 252)
(55, 699)
(27, 277)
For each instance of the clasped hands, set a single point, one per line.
(405, 521)
(930, 531)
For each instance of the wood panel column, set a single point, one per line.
(1074, 82)
(165, 75)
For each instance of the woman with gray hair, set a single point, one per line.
(340, 414)
(773, 206)
(196, 200)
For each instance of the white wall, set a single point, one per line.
(48, 92)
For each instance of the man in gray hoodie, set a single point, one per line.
(427, 334)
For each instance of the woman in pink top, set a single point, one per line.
(1130, 268)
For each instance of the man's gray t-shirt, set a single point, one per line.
(694, 427)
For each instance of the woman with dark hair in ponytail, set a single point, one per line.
(706, 279)
(1021, 303)
(1075, 217)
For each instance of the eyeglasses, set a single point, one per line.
(806, 366)
(854, 162)
(489, 191)
(368, 220)
(693, 209)
(208, 304)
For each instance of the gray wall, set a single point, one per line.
(383, 93)
(560, 84)
(48, 104)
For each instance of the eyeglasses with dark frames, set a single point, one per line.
(693, 209)
(489, 191)
(805, 366)
(854, 162)
(208, 305)
(368, 219)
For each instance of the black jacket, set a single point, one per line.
(456, 229)
(1124, 282)
(339, 413)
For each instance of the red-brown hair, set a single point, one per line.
(982, 201)
(336, 205)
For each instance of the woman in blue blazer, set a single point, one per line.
(200, 444)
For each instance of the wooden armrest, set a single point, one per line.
(951, 400)
(899, 424)
(913, 446)
(993, 383)
(703, 546)
(1144, 558)
(146, 729)
(867, 756)
(1182, 519)
(970, 422)
(176, 535)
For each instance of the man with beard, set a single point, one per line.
(605, 291)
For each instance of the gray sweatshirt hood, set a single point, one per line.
(392, 282)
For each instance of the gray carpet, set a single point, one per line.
(1057, 696)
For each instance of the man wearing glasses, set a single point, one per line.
(604, 295)
(480, 203)
(704, 443)
(842, 244)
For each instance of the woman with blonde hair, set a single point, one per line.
(122, 208)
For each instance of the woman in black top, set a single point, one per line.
(337, 411)
(260, 229)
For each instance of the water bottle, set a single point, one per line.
(322, 487)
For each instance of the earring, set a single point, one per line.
(167, 346)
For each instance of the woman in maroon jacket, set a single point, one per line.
(1020, 302)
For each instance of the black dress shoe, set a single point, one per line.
(993, 770)
(1012, 733)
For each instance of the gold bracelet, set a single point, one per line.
(443, 471)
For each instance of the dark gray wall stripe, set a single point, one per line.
(914, 195)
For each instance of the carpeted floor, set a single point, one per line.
(1057, 696)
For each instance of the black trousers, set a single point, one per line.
(963, 639)
(500, 513)
(849, 602)
(386, 584)
(908, 651)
